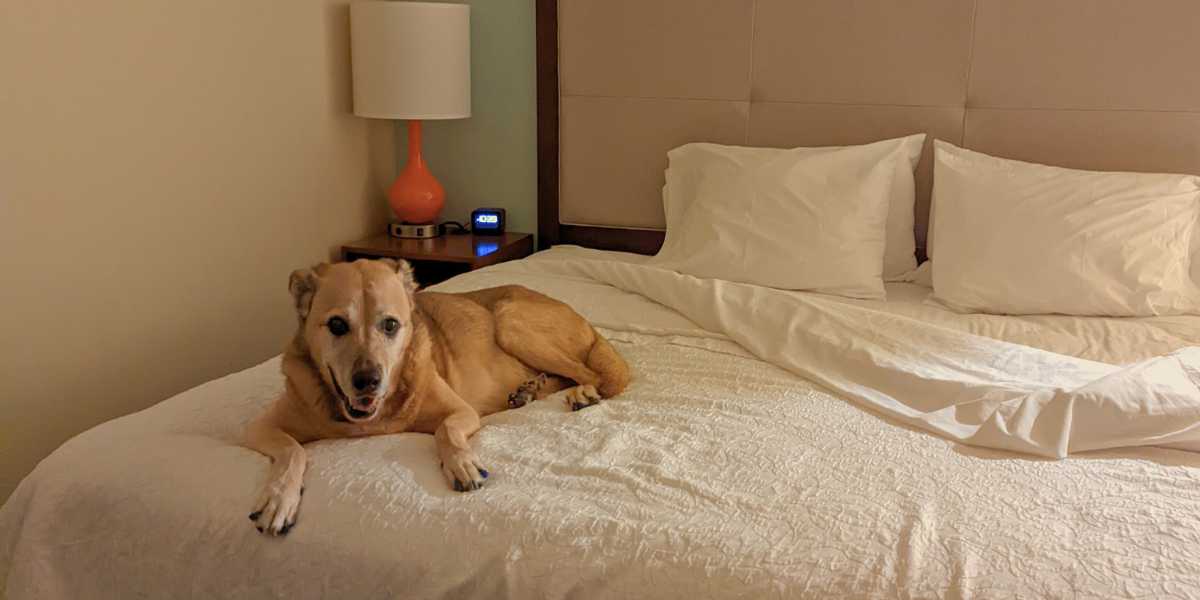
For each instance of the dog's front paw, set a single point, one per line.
(463, 471)
(582, 396)
(275, 511)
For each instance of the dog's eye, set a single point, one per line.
(391, 326)
(338, 326)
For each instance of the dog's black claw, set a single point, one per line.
(260, 529)
(469, 486)
(301, 490)
(286, 528)
(484, 473)
(255, 515)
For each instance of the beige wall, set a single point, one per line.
(163, 167)
(490, 159)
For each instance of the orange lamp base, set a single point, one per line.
(416, 196)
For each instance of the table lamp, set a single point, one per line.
(412, 60)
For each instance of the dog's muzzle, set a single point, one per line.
(363, 406)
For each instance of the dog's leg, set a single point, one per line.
(462, 468)
(526, 347)
(550, 337)
(459, 421)
(274, 512)
(527, 392)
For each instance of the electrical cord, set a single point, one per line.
(453, 228)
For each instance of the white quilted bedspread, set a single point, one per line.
(716, 475)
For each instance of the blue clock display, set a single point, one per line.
(487, 221)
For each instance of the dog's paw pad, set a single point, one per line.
(578, 406)
(581, 397)
(468, 486)
(519, 399)
(527, 391)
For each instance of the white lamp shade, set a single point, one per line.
(411, 60)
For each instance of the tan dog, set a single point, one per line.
(371, 356)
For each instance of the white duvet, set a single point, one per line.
(716, 474)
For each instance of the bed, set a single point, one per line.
(717, 474)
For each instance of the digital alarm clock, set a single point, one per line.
(488, 221)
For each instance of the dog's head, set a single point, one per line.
(356, 323)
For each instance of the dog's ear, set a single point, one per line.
(303, 285)
(405, 270)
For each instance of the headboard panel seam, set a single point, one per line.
(750, 69)
(886, 104)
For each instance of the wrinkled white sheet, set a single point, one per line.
(977, 390)
(1113, 341)
(715, 475)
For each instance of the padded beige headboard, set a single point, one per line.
(1099, 84)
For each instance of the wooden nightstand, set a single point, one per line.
(440, 258)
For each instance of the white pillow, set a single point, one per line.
(789, 219)
(899, 257)
(1021, 238)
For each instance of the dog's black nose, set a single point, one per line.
(366, 381)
